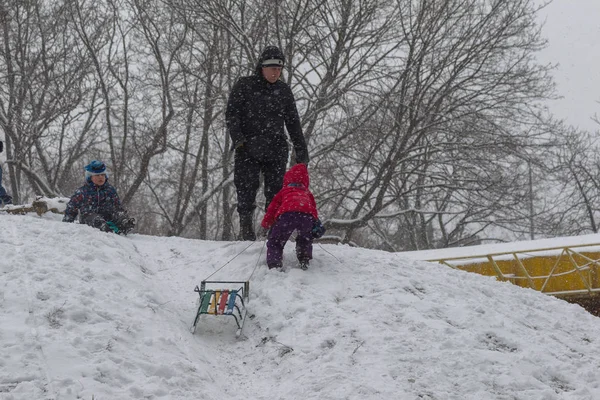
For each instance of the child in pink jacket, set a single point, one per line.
(292, 208)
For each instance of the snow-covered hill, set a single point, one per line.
(86, 314)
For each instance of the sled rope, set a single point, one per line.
(230, 260)
(338, 260)
(258, 260)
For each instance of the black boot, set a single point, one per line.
(246, 227)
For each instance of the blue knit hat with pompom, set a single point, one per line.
(95, 168)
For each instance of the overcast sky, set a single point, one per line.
(572, 28)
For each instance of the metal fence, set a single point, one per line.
(569, 271)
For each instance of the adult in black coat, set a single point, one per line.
(258, 108)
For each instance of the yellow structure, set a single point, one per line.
(568, 271)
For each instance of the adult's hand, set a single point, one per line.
(237, 145)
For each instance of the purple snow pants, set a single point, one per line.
(281, 232)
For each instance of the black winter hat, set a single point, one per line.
(271, 57)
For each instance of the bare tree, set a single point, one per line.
(458, 104)
(45, 95)
(134, 46)
(422, 117)
(573, 186)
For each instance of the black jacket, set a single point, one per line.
(256, 114)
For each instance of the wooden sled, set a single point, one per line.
(229, 299)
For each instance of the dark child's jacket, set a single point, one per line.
(91, 199)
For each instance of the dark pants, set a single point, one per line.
(120, 219)
(95, 220)
(247, 179)
(4, 197)
(281, 232)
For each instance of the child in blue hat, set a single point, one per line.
(97, 203)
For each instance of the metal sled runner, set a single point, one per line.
(223, 301)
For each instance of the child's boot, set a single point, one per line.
(275, 265)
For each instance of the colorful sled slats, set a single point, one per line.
(206, 300)
(231, 303)
(223, 301)
(213, 303)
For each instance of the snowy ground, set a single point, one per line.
(86, 314)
